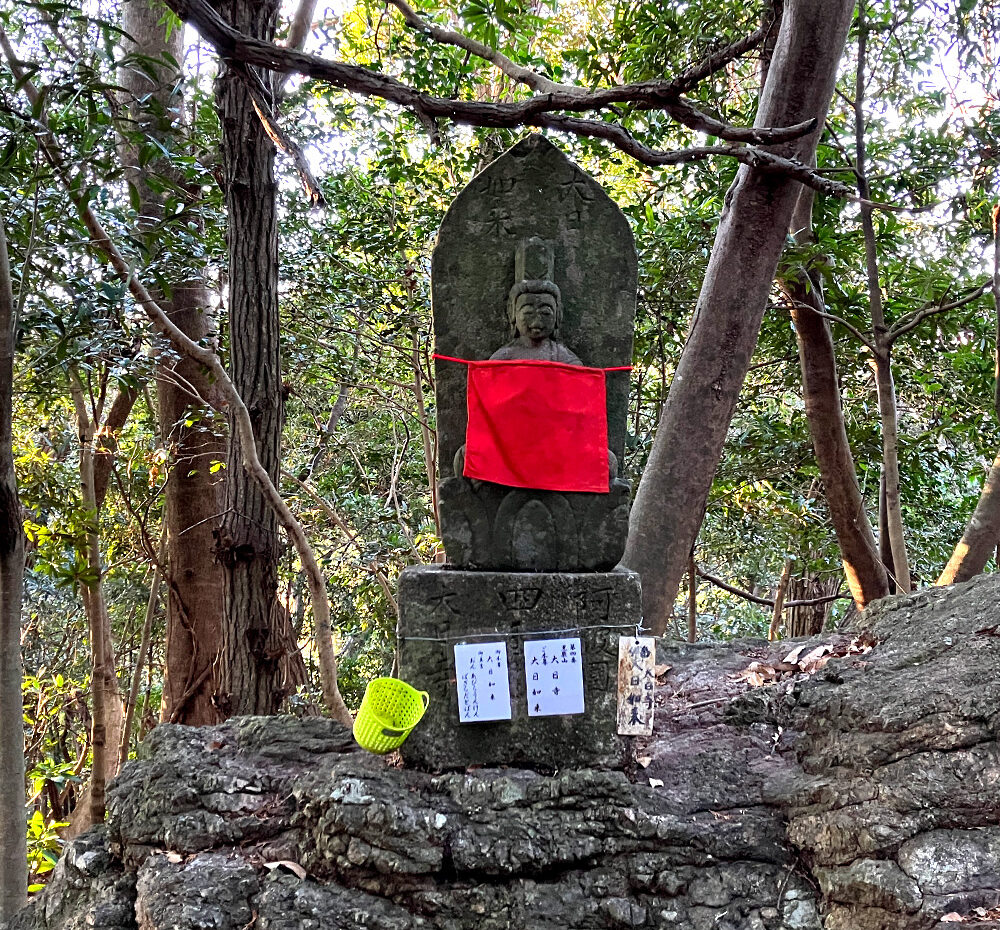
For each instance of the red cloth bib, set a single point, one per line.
(534, 424)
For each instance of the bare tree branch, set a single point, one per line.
(912, 320)
(850, 327)
(352, 537)
(541, 110)
(660, 94)
(763, 601)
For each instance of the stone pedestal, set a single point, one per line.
(441, 606)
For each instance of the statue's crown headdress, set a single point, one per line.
(533, 271)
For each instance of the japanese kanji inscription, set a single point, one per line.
(482, 675)
(636, 684)
(553, 671)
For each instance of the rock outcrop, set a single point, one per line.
(854, 785)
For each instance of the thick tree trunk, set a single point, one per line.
(249, 545)
(692, 430)
(192, 506)
(193, 493)
(13, 855)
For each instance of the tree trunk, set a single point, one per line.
(884, 548)
(863, 569)
(193, 498)
(809, 619)
(692, 429)
(249, 545)
(777, 612)
(193, 501)
(106, 706)
(882, 361)
(890, 469)
(13, 853)
(865, 574)
(980, 537)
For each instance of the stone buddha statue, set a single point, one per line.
(534, 309)
(534, 312)
(555, 283)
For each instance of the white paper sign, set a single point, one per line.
(483, 682)
(553, 671)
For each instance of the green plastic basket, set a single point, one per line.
(389, 710)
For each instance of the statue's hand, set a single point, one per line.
(458, 463)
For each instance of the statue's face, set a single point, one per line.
(535, 316)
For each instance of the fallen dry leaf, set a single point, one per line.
(174, 857)
(863, 642)
(793, 657)
(656, 783)
(953, 917)
(816, 658)
(756, 673)
(644, 761)
(292, 867)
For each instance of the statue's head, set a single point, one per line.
(534, 306)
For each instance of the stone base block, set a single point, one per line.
(440, 607)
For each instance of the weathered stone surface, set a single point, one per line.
(208, 891)
(488, 526)
(871, 883)
(439, 607)
(89, 888)
(531, 191)
(861, 797)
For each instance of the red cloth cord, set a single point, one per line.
(465, 361)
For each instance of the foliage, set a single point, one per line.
(356, 343)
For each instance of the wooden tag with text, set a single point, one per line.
(636, 683)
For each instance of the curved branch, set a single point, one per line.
(833, 318)
(763, 601)
(522, 75)
(665, 95)
(914, 319)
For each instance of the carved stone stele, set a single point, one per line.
(532, 192)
